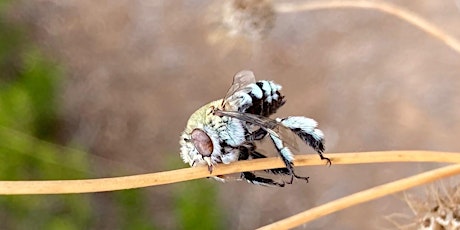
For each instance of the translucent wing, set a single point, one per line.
(272, 127)
(240, 81)
(263, 122)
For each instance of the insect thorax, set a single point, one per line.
(226, 134)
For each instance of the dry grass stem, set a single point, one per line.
(364, 196)
(391, 9)
(173, 176)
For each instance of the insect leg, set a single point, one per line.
(258, 134)
(286, 155)
(306, 129)
(283, 171)
(247, 151)
(253, 179)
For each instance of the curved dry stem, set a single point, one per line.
(173, 176)
(388, 8)
(364, 196)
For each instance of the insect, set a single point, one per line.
(227, 130)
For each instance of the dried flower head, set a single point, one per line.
(252, 18)
(238, 23)
(440, 210)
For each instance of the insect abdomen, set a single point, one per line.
(266, 98)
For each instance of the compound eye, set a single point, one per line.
(202, 142)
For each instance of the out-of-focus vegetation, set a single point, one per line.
(28, 83)
(29, 128)
(28, 112)
(196, 206)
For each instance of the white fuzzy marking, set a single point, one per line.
(269, 99)
(308, 125)
(256, 91)
(274, 87)
(266, 88)
(230, 155)
(317, 134)
(285, 151)
(233, 133)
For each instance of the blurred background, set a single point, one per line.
(104, 88)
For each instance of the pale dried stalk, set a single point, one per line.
(168, 177)
(385, 7)
(364, 196)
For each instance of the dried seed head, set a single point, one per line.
(439, 210)
(237, 25)
(252, 18)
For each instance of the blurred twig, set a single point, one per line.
(173, 176)
(364, 196)
(385, 7)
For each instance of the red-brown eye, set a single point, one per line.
(202, 142)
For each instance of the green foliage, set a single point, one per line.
(27, 99)
(197, 205)
(31, 158)
(27, 118)
(132, 207)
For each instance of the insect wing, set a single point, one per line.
(254, 119)
(272, 127)
(287, 136)
(240, 81)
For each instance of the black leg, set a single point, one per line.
(247, 152)
(316, 144)
(285, 154)
(282, 171)
(253, 179)
(290, 169)
(259, 134)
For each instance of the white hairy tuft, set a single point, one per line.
(230, 155)
(232, 132)
(185, 148)
(274, 87)
(285, 151)
(256, 91)
(307, 125)
(317, 134)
